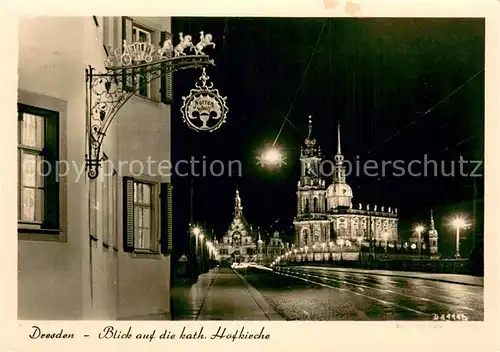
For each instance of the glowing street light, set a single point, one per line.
(419, 229)
(196, 231)
(271, 156)
(458, 223)
(385, 237)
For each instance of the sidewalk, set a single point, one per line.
(221, 294)
(448, 278)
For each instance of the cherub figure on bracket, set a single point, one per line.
(186, 42)
(205, 40)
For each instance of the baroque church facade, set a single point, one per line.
(326, 215)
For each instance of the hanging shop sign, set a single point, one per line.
(204, 109)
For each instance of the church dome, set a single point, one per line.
(338, 195)
(338, 190)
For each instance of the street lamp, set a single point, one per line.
(323, 245)
(385, 237)
(271, 156)
(360, 242)
(196, 231)
(341, 243)
(458, 223)
(419, 229)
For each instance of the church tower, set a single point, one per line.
(311, 224)
(339, 193)
(433, 236)
(238, 209)
(310, 188)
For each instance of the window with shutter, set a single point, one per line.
(108, 201)
(128, 36)
(140, 216)
(142, 80)
(166, 218)
(166, 88)
(128, 214)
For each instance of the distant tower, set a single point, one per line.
(260, 243)
(238, 209)
(433, 236)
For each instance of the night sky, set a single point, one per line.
(400, 88)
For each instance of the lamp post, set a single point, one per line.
(306, 248)
(385, 237)
(360, 242)
(419, 229)
(341, 243)
(196, 231)
(458, 223)
(202, 252)
(323, 245)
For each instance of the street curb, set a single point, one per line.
(216, 271)
(402, 276)
(269, 311)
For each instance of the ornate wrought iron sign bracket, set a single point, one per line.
(127, 71)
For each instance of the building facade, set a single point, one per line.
(274, 248)
(242, 243)
(239, 243)
(90, 248)
(326, 215)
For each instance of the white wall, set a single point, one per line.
(79, 278)
(51, 64)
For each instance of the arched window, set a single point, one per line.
(315, 205)
(306, 209)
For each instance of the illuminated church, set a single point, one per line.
(239, 243)
(327, 215)
(243, 244)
